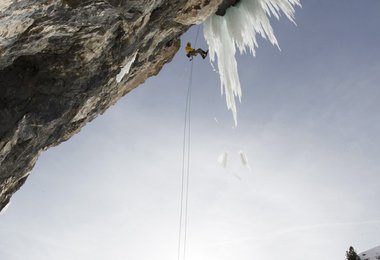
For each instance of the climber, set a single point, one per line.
(190, 52)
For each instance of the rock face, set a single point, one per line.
(224, 5)
(62, 63)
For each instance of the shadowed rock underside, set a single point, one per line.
(58, 65)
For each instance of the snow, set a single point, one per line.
(126, 68)
(238, 29)
(372, 254)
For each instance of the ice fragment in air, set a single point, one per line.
(244, 159)
(222, 159)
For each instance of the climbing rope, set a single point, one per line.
(186, 164)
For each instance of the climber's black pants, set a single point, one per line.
(199, 51)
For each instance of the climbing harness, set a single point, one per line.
(191, 53)
(183, 219)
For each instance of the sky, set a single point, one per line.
(309, 123)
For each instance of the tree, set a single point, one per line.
(351, 254)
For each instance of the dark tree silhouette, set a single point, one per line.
(351, 254)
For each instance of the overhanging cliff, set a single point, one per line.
(59, 60)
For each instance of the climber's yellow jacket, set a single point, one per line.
(188, 48)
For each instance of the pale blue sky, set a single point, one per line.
(309, 123)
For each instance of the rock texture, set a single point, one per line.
(224, 5)
(58, 65)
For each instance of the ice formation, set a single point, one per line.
(238, 28)
(126, 68)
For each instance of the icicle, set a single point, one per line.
(238, 28)
(219, 42)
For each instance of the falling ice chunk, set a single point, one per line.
(222, 159)
(244, 159)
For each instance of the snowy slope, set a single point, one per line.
(372, 254)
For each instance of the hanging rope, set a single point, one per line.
(186, 163)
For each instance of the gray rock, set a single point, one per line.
(58, 65)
